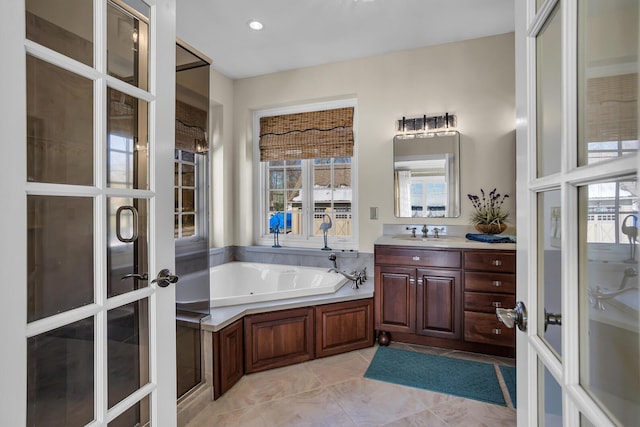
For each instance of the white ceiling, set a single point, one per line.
(302, 33)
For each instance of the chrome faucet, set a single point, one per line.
(425, 231)
(358, 277)
(436, 232)
(413, 231)
(598, 295)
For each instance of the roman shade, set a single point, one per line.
(315, 134)
(612, 108)
(191, 125)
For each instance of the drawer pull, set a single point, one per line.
(497, 331)
(420, 282)
(412, 281)
(496, 262)
(416, 258)
(496, 304)
(497, 283)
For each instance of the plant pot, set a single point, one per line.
(491, 228)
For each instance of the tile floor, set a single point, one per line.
(332, 392)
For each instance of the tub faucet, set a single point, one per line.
(358, 277)
(598, 295)
(332, 258)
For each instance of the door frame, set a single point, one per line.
(14, 188)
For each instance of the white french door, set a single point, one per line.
(578, 205)
(88, 311)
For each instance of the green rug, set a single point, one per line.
(509, 376)
(463, 378)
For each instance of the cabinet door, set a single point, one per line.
(395, 299)
(439, 303)
(228, 358)
(345, 326)
(278, 338)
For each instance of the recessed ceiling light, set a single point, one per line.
(255, 25)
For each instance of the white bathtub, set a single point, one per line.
(246, 282)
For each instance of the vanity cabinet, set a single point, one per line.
(444, 297)
(489, 283)
(417, 300)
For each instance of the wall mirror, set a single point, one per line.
(427, 175)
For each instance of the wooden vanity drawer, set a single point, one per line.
(418, 257)
(485, 328)
(490, 261)
(490, 282)
(487, 303)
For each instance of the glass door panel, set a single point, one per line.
(127, 46)
(549, 95)
(60, 260)
(127, 147)
(607, 79)
(549, 268)
(65, 26)
(59, 125)
(60, 375)
(609, 309)
(550, 398)
(137, 415)
(127, 350)
(127, 252)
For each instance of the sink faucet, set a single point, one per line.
(413, 231)
(436, 232)
(425, 231)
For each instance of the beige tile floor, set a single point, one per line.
(332, 392)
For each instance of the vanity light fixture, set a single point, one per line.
(255, 25)
(426, 124)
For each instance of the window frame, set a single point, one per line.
(200, 188)
(262, 235)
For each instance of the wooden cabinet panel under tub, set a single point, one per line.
(344, 326)
(278, 338)
(228, 357)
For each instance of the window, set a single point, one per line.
(613, 206)
(185, 193)
(298, 195)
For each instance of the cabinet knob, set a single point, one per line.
(497, 331)
(496, 304)
(496, 262)
(497, 283)
(416, 258)
(420, 282)
(412, 281)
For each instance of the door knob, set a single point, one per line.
(165, 278)
(514, 316)
(551, 319)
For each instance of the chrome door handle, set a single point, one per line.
(144, 276)
(551, 319)
(514, 316)
(165, 278)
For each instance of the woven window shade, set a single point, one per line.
(612, 108)
(191, 125)
(316, 134)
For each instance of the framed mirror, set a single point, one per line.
(427, 175)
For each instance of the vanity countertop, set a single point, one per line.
(444, 241)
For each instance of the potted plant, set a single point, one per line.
(488, 217)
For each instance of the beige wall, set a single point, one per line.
(221, 160)
(474, 79)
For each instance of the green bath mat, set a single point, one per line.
(463, 378)
(509, 376)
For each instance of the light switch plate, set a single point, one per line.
(373, 212)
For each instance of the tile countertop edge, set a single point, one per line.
(222, 317)
(448, 242)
